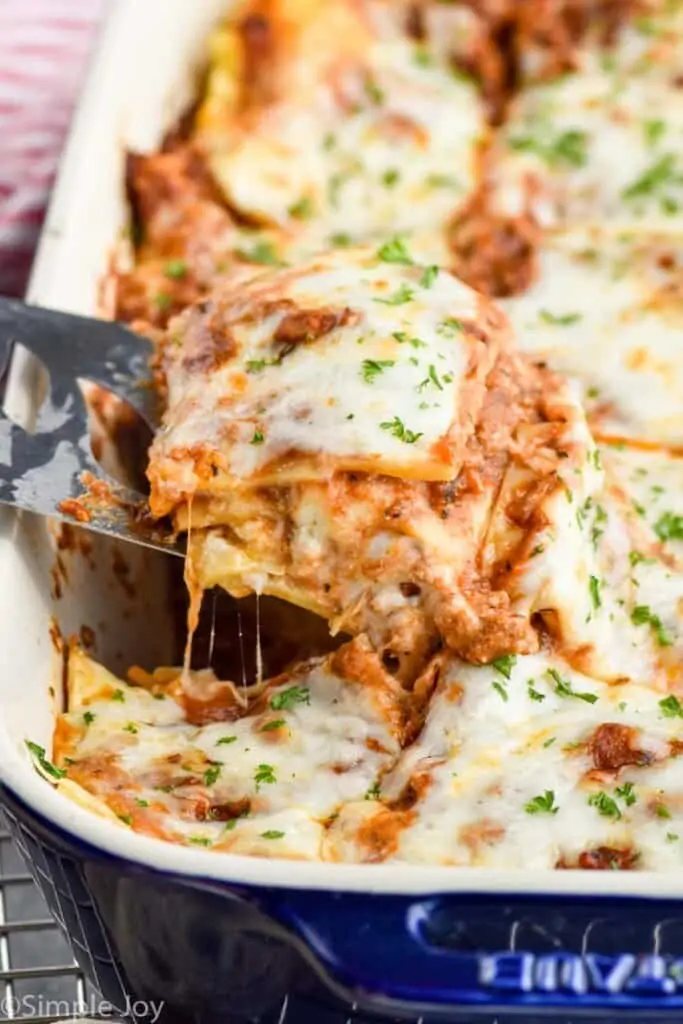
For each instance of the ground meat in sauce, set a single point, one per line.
(614, 746)
(604, 858)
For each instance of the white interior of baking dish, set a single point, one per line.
(141, 80)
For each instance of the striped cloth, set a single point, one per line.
(44, 45)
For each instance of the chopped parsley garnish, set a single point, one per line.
(642, 615)
(563, 688)
(163, 301)
(175, 269)
(549, 742)
(500, 688)
(256, 365)
(662, 812)
(263, 252)
(669, 527)
(44, 763)
(403, 339)
(264, 775)
(505, 664)
(653, 131)
(127, 819)
(131, 727)
(289, 698)
(272, 834)
(401, 295)
(373, 92)
(569, 148)
(141, 803)
(276, 723)
(422, 57)
(429, 276)
(626, 793)
(671, 707)
(533, 693)
(373, 367)
(594, 586)
(542, 804)
(431, 378)
(211, 774)
(671, 837)
(200, 840)
(397, 428)
(224, 740)
(636, 557)
(118, 695)
(449, 326)
(390, 177)
(258, 437)
(373, 792)
(302, 209)
(341, 239)
(563, 320)
(604, 805)
(662, 172)
(538, 550)
(89, 717)
(329, 142)
(442, 181)
(394, 251)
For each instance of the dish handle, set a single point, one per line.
(472, 951)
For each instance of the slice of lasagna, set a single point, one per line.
(358, 437)
(257, 771)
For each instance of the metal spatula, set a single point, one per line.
(45, 469)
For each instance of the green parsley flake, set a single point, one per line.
(662, 172)
(264, 775)
(127, 819)
(373, 367)
(211, 774)
(568, 149)
(450, 326)
(340, 239)
(563, 320)
(141, 803)
(403, 339)
(400, 296)
(595, 586)
(118, 695)
(175, 269)
(662, 812)
(669, 526)
(626, 793)
(374, 792)
(505, 664)
(258, 437)
(163, 301)
(500, 688)
(373, 92)
(44, 763)
(200, 840)
(563, 688)
(131, 727)
(276, 723)
(394, 251)
(671, 707)
(272, 834)
(542, 804)
(642, 615)
(391, 177)
(533, 693)
(89, 717)
(653, 131)
(263, 252)
(289, 698)
(429, 276)
(604, 805)
(301, 210)
(398, 429)
(224, 740)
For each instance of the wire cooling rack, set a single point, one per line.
(39, 980)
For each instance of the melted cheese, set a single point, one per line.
(370, 134)
(359, 360)
(608, 311)
(597, 147)
(505, 775)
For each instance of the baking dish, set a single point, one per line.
(229, 936)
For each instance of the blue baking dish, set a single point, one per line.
(227, 938)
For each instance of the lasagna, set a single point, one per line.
(414, 274)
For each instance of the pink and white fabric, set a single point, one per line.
(44, 46)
